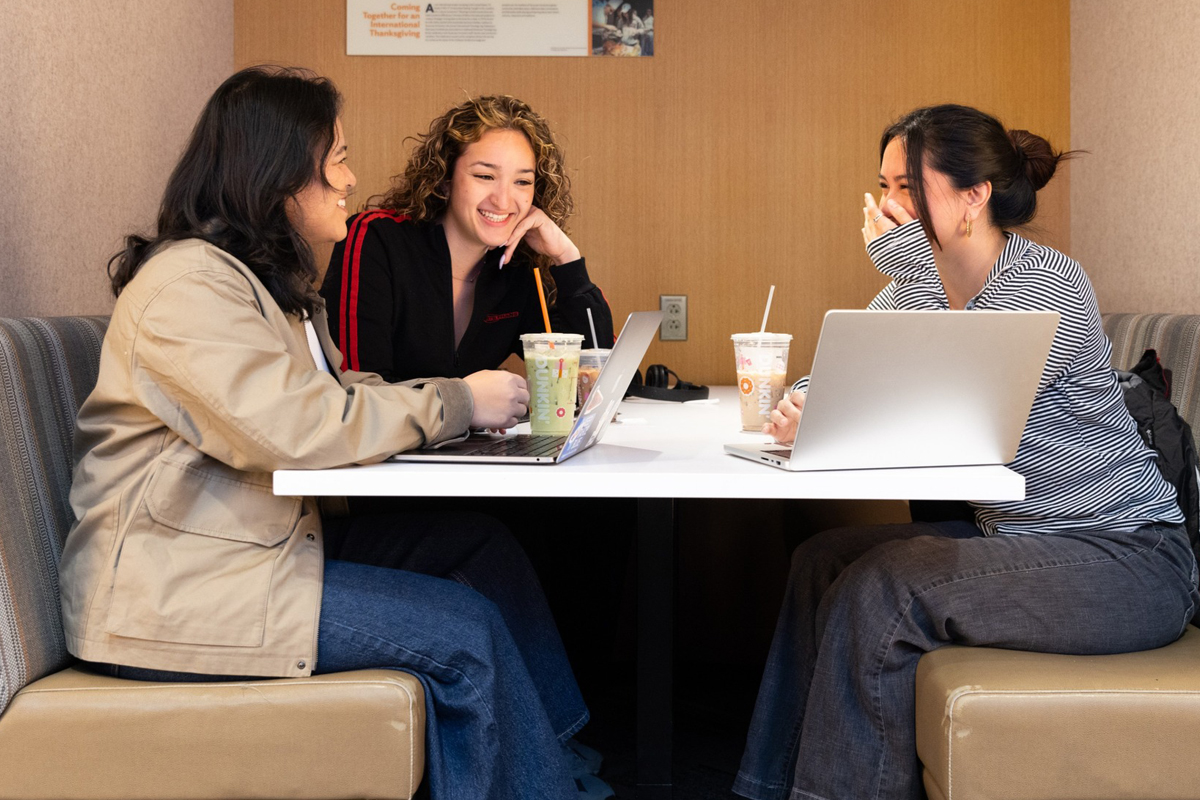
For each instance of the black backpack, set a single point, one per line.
(1148, 397)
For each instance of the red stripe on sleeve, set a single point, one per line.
(356, 229)
(348, 311)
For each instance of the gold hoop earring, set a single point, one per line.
(968, 227)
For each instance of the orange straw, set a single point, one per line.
(537, 277)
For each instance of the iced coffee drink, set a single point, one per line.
(761, 360)
(590, 364)
(552, 370)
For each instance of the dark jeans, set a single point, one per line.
(451, 598)
(835, 712)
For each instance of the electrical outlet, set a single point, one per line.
(674, 324)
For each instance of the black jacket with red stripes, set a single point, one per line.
(389, 297)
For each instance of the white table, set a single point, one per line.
(657, 453)
(660, 450)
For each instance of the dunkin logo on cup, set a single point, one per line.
(541, 389)
(767, 389)
(545, 369)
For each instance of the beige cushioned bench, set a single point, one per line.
(66, 733)
(1007, 725)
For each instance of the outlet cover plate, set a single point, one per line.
(674, 324)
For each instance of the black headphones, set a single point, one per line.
(658, 386)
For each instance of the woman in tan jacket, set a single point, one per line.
(215, 371)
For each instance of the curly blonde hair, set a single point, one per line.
(422, 190)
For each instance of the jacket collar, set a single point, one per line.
(435, 235)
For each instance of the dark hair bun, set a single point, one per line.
(1040, 158)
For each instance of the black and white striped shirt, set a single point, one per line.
(1085, 466)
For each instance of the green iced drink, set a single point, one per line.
(552, 370)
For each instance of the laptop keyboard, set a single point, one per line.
(784, 454)
(521, 445)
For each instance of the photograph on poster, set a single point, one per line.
(622, 27)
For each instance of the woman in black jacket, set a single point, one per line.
(437, 280)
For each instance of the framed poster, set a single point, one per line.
(499, 27)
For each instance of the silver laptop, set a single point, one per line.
(916, 389)
(590, 423)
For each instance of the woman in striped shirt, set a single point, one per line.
(1093, 560)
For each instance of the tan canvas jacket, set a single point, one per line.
(181, 557)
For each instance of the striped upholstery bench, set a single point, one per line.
(1001, 725)
(66, 733)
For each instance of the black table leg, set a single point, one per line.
(656, 646)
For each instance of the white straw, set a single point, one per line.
(592, 324)
(770, 296)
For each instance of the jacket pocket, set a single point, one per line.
(197, 559)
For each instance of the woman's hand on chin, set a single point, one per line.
(785, 418)
(878, 221)
(545, 237)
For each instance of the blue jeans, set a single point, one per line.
(835, 711)
(451, 599)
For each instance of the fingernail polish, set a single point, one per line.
(502, 261)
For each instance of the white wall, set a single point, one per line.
(96, 101)
(1135, 104)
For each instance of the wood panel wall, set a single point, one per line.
(734, 158)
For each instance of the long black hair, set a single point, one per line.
(263, 136)
(970, 148)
